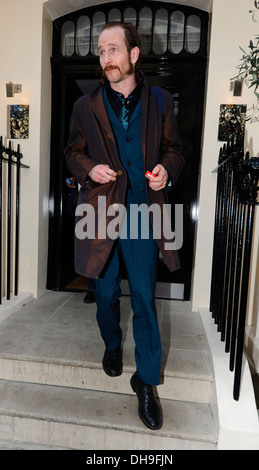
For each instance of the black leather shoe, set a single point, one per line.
(148, 409)
(89, 297)
(112, 362)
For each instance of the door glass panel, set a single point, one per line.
(130, 16)
(114, 15)
(98, 23)
(193, 34)
(145, 29)
(83, 35)
(68, 39)
(176, 103)
(160, 31)
(176, 34)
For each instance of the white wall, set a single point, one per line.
(231, 27)
(21, 33)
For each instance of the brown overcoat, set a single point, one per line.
(92, 142)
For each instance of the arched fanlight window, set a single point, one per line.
(114, 15)
(160, 31)
(176, 32)
(145, 29)
(193, 34)
(98, 23)
(68, 39)
(130, 16)
(164, 29)
(83, 36)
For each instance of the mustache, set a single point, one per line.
(110, 67)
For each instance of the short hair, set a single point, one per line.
(132, 39)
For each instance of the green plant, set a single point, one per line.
(249, 68)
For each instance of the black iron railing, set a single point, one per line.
(9, 218)
(237, 193)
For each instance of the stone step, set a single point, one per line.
(55, 341)
(11, 444)
(177, 386)
(72, 418)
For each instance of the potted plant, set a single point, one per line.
(249, 68)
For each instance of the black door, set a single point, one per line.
(61, 275)
(180, 68)
(187, 89)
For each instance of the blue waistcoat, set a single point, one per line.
(129, 146)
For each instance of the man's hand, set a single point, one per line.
(162, 176)
(70, 182)
(102, 174)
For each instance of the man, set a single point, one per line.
(117, 134)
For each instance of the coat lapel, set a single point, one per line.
(100, 112)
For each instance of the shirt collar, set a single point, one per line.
(115, 96)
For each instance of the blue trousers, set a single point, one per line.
(140, 259)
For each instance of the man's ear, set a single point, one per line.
(134, 54)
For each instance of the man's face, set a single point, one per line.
(114, 57)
